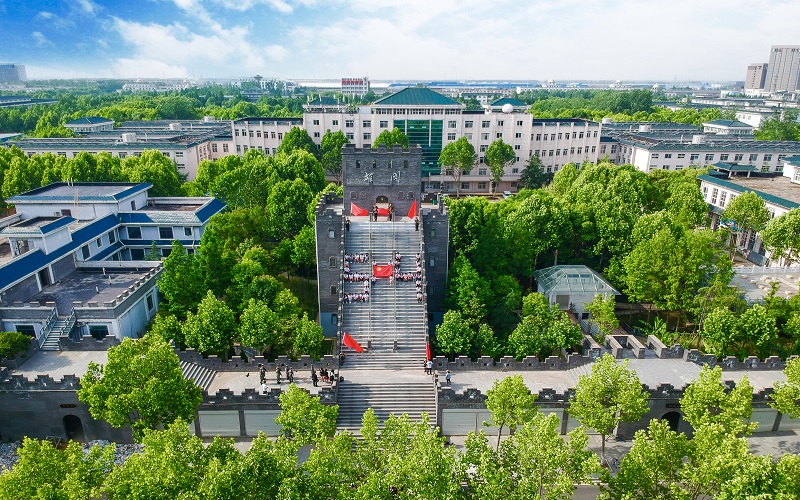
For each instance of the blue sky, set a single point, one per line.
(396, 39)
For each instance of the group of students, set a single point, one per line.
(327, 377)
(348, 276)
(350, 298)
(356, 257)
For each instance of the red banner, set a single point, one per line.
(351, 342)
(383, 211)
(382, 270)
(413, 212)
(428, 350)
(357, 211)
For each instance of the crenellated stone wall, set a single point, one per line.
(508, 363)
(731, 363)
(88, 343)
(251, 365)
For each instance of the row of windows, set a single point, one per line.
(563, 135)
(267, 135)
(164, 233)
(737, 157)
(565, 151)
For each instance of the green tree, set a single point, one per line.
(511, 404)
(304, 419)
(706, 401)
(533, 463)
(308, 338)
(457, 158)
(781, 237)
(13, 343)
(715, 458)
(173, 464)
(295, 139)
(467, 292)
(141, 385)
(167, 327)
(748, 212)
(258, 325)
(286, 207)
(537, 225)
(603, 313)
(757, 325)
(181, 281)
(652, 467)
(786, 398)
(720, 332)
(533, 175)
(153, 253)
(499, 155)
(780, 128)
(454, 335)
(155, 168)
(212, 329)
(609, 395)
(391, 137)
(331, 150)
(43, 471)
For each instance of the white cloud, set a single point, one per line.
(282, 6)
(148, 68)
(40, 40)
(178, 49)
(57, 22)
(88, 6)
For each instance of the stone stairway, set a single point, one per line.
(389, 376)
(61, 327)
(201, 376)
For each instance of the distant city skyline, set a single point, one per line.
(704, 40)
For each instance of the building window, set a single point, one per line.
(349, 135)
(481, 185)
(654, 155)
(316, 134)
(405, 163)
(333, 289)
(225, 147)
(366, 123)
(432, 262)
(187, 231)
(515, 170)
(335, 122)
(332, 262)
(384, 124)
(367, 136)
(499, 135)
(539, 137)
(738, 157)
(85, 252)
(485, 124)
(468, 124)
(517, 147)
(451, 136)
(135, 233)
(112, 237)
(482, 171)
(28, 330)
(753, 157)
(331, 233)
(451, 124)
(483, 148)
(165, 233)
(315, 122)
(137, 253)
(722, 197)
(767, 157)
(694, 157)
(714, 193)
(519, 124)
(150, 303)
(484, 137)
(709, 157)
(214, 147)
(99, 242)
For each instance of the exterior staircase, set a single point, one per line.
(201, 376)
(389, 376)
(61, 327)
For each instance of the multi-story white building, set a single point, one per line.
(12, 73)
(648, 153)
(90, 124)
(433, 121)
(72, 259)
(780, 194)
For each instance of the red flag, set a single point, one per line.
(428, 350)
(351, 342)
(413, 212)
(357, 211)
(382, 270)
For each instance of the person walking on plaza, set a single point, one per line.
(314, 378)
(447, 377)
(429, 367)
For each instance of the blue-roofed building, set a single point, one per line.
(72, 258)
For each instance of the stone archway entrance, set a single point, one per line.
(73, 427)
(382, 199)
(673, 418)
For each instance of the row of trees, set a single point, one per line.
(409, 459)
(221, 102)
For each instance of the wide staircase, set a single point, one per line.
(200, 375)
(389, 376)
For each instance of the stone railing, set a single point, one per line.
(508, 363)
(591, 347)
(88, 343)
(251, 365)
(662, 351)
(732, 363)
(616, 343)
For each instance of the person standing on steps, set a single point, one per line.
(347, 224)
(262, 373)
(429, 367)
(278, 374)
